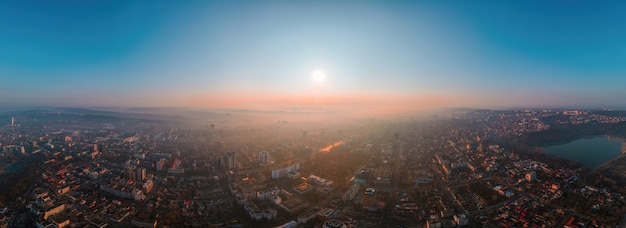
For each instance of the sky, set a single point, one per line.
(390, 55)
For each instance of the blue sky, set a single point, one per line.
(242, 53)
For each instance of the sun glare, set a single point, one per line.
(318, 76)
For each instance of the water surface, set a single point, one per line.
(591, 152)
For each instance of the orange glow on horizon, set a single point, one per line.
(379, 102)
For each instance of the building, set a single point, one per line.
(147, 187)
(63, 189)
(327, 213)
(175, 163)
(284, 171)
(55, 222)
(160, 165)
(531, 176)
(231, 160)
(308, 215)
(263, 157)
(123, 192)
(141, 173)
(130, 173)
(318, 181)
(571, 112)
(303, 188)
(47, 211)
(461, 220)
(351, 192)
(270, 195)
(293, 175)
(334, 223)
(258, 211)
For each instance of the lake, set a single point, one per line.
(591, 152)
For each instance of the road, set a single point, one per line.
(395, 183)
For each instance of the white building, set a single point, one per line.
(268, 194)
(284, 171)
(319, 181)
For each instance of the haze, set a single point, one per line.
(392, 56)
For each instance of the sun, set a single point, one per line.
(318, 76)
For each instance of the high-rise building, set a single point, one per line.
(160, 164)
(263, 155)
(130, 173)
(12, 121)
(147, 187)
(231, 160)
(141, 173)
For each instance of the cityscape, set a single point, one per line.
(331, 114)
(468, 168)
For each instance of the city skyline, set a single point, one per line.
(396, 56)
